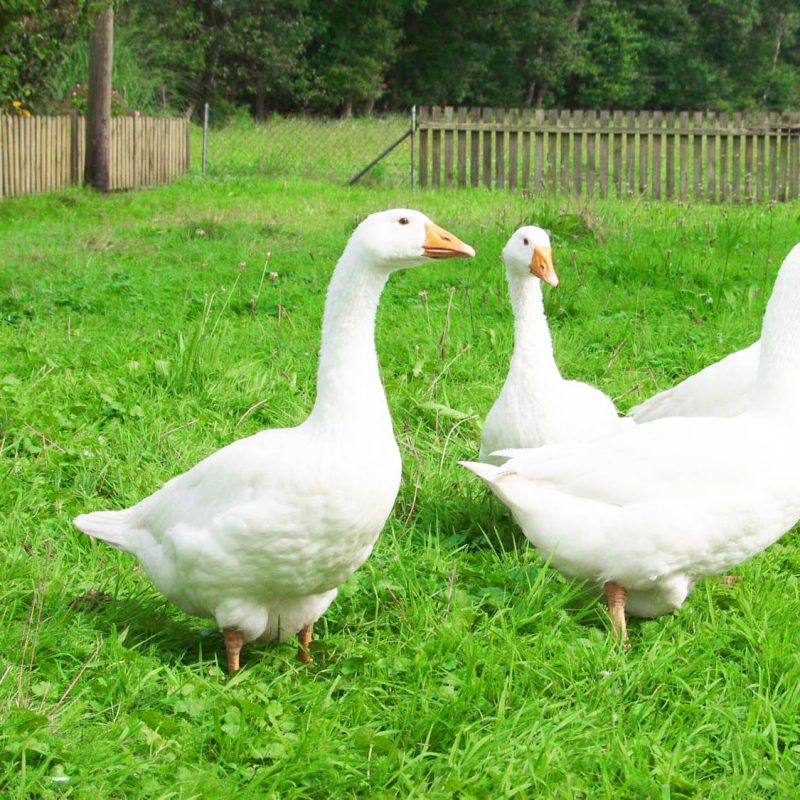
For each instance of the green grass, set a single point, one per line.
(141, 332)
(308, 147)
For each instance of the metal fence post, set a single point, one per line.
(205, 139)
(413, 145)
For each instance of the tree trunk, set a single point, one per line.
(347, 108)
(529, 94)
(369, 106)
(98, 121)
(261, 100)
(538, 97)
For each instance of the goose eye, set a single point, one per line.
(404, 220)
(525, 242)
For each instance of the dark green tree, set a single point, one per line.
(355, 43)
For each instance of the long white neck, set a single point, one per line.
(532, 361)
(778, 383)
(350, 395)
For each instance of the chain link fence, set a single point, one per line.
(309, 147)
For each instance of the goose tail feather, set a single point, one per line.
(113, 527)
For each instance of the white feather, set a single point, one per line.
(657, 506)
(536, 405)
(723, 389)
(260, 534)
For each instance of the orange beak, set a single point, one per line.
(542, 265)
(439, 243)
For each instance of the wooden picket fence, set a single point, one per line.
(717, 157)
(42, 153)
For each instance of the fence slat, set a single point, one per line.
(34, 149)
(538, 152)
(645, 120)
(487, 150)
(617, 148)
(526, 149)
(783, 157)
(761, 161)
(748, 162)
(577, 152)
(772, 139)
(711, 159)
(658, 119)
(724, 140)
(137, 150)
(47, 153)
(3, 152)
(683, 155)
(552, 155)
(736, 158)
(591, 142)
(422, 133)
(475, 148)
(462, 148)
(669, 155)
(3, 155)
(15, 167)
(605, 118)
(794, 157)
(448, 148)
(499, 150)
(563, 144)
(512, 149)
(24, 155)
(164, 150)
(697, 146)
(630, 153)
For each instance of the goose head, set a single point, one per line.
(528, 252)
(402, 238)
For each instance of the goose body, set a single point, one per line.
(648, 510)
(260, 534)
(536, 405)
(723, 389)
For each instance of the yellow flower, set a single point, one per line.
(17, 104)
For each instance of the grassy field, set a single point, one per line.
(141, 332)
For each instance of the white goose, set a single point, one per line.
(723, 389)
(259, 535)
(536, 406)
(647, 511)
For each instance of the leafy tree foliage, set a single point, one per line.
(31, 34)
(346, 56)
